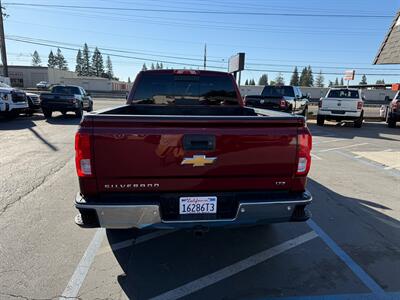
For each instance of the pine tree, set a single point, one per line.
(310, 77)
(330, 83)
(161, 66)
(246, 82)
(279, 80)
(97, 63)
(319, 80)
(263, 80)
(61, 63)
(129, 80)
(252, 82)
(152, 66)
(363, 80)
(51, 63)
(303, 77)
(380, 81)
(86, 70)
(109, 68)
(336, 82)
(295, 80)
(79, 62)
(341, 81)
(144, 68)
(36, 61)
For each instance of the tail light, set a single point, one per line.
(282, 104)
(83, 155)
(304, 146)
(395, 105)
(360, 105)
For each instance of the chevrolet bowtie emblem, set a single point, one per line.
(198, 161)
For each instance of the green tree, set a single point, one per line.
(303, 77)
(86, 69)
(319, 80)
(161, 66)
(79, 62)
(109, 68)
(341, 81)
(252, 82)
(336, 82)
(97, 63)
(36, 61)
(310, 77)
(246, 82)
(295, 80)
(363, 80)
(380, 81)
(152, 66)
(272, 82)
(51, 62)
(129, 80)
(263, 80)
(279, 80)
(144, 68)
(330, 83)
(61, 62)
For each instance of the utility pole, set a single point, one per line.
(205, 55)
(3, 44)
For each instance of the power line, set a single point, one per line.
(182, 63)
(211, 12)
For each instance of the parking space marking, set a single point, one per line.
(76, 281)
(235, 268)
(315, 156)
(130, 242)
(344, 147)
(329, 141)
(357, 270)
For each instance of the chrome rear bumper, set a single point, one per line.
(140, 216)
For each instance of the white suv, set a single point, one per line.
(341, 104)
(12, 101)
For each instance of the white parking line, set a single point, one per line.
(315, 156)
(231, 270)
(75, 283)
(330, 141)
(343, 147)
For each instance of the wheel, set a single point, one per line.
(305, 113)
(391, 122)
(358, 122)
(79, 112)
(47, 113)
(320, 120)
(90, 108)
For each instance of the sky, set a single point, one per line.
(133, 35)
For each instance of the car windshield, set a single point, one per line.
(343, 94)
(65, 90)
(185, 90)
(278, 91)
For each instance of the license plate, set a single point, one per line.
(198, 205)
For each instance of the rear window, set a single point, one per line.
(175, 89)
(66, 90)
(343, 94)
(278, 91)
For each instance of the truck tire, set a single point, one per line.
(320, 120)
(391, 122)
(47, 113)
(358, 122)
(79, 112)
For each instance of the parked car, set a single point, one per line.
(341, 104)
(33, 102)
(65, 98)
(12, 101)
(43, 85)
(284, 98)
(185, 152)
(393, 111)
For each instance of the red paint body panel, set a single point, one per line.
(135, 153)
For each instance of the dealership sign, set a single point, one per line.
(349, 75)
(236, 63)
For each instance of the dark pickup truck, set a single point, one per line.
(285, 98)
(185, 152)
(393, 111)
(64, 98)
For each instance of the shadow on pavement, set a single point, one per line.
(42, 139)
(346, 130)
(19, 123)
(169, 261)
(69, 119)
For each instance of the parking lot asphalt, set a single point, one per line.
(350, 249)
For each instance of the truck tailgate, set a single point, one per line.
(339, 104)
(132, 155)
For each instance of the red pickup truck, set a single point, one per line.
(185, 152)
